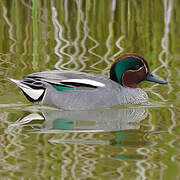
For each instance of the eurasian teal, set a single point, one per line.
(72, 90)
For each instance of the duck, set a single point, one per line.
(72, 90)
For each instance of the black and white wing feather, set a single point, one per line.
(70, 79)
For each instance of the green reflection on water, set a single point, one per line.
(63, 124)
(88, 36)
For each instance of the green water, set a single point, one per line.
(132, 142)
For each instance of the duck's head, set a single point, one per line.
(130, 69)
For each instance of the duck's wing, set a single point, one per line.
(75, 80)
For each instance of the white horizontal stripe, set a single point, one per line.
(85, 81)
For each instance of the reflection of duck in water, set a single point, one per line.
(77, 90)
(122, 126)
(87, 121)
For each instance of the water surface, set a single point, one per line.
(125, 142)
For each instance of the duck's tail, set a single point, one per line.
(32, 94)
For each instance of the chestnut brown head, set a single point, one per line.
(130, 69)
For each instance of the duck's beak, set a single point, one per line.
(153, 78)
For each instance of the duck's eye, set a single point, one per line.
(137, 66)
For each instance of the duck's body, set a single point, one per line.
(76, 90)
